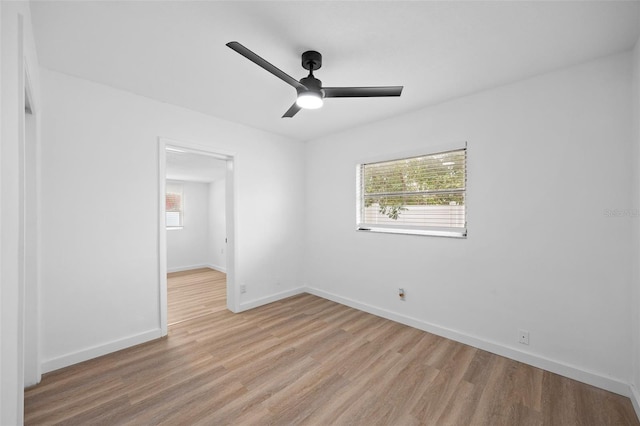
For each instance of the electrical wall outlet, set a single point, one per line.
(243, 288)
(523, 337)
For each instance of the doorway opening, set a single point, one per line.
(196, 232)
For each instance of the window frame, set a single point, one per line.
(166, 191)
(436, 231)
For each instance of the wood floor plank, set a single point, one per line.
(309, 361)
(195, 293)
(436, 397)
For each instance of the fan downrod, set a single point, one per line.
(311, 60)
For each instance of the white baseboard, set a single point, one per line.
(216, 267)
(187, 268)
(250, 304)
(635, 399)
(572, 372)
(200, 266)
(99, 350)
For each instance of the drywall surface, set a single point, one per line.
(217, 254)
(100, 212)
(635, 295)
(548, 249)
(187, 247)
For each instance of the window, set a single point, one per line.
(174, 205)
(423, 195)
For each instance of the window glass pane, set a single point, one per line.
(174, 202)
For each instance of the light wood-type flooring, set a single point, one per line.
(194, 293)
(306, 360)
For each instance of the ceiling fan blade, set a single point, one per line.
(292, 111)
(361, 92)
(264, 64)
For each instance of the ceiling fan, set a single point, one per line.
(310, 90)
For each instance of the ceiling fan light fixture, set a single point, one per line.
(310, 90)
(309, 100)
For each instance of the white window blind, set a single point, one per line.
(422, 195)
(174, 205)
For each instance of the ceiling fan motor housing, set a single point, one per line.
(311, 60)
(312, 84)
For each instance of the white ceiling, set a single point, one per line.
(192, 167)
(175, 51)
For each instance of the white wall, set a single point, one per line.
(18, 51)
(635, 296)
(546, 157)
(100, 229)
(187, 248)
(217, 256)
(5, 397)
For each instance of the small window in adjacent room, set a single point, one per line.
(421, 195)
(174, 205)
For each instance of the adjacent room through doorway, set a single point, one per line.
(195, 218)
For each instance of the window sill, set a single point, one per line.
(419, 232)
(174, 228)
